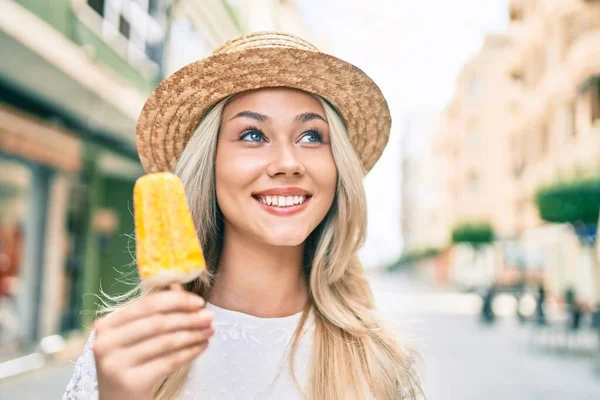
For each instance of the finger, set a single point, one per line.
(159, 324)
(161, 302)
(161, 367)
(162, 346)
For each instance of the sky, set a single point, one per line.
(414, 50)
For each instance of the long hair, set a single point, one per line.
(353, 352)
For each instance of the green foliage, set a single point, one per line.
(475, 234)
(413, 256)
(570, 202)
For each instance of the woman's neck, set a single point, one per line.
(258, 279)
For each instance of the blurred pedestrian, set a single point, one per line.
(520, 296)
(573, 308)
(271, 139)
(596, 318)
(487, 311)
(540, 305)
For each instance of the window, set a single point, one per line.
(473, 182)
(517, 74)
(153, 6)
(517, 156)
(516, 12)
(474, 88)
(124, 27)
(473, 135)
(537, 63)
(572, 115)
(98, 6)
(595, 100)
(130, 27)
(544, 141)
(519, 165)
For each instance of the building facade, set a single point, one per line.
(557, 68)
(525, 114)
(70, 93)
(471, 141)
(424, 198)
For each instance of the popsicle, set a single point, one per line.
(168, 251)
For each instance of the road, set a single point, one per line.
(465, 360)
(462, 359)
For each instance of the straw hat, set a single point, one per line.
(174, 109)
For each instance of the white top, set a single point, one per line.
(245, 359)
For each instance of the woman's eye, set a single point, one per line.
(311, 137)
(252, 136)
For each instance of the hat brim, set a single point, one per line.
(174, 109)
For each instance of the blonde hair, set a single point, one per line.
(354, 353)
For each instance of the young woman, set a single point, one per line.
(271, 139)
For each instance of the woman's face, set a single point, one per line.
(275, 173)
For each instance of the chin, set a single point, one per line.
(285, 239)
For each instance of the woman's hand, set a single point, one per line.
(137, 346)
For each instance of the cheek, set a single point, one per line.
(323, 173)
(235, 173)
(228, 182)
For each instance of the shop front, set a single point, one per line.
(40, 165)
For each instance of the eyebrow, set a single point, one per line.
(309, 116)
(304, 117)
(252, 115)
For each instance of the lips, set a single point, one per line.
(283, 191)
(283, 200)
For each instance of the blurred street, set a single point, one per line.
(463, 360)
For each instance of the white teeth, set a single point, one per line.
(282, 201)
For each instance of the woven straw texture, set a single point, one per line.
(175, 108)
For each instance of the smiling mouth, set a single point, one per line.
(282, 201)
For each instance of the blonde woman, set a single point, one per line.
(271, 139)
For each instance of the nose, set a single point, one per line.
(285, 161)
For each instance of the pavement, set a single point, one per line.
(462, 359)
(466, 360)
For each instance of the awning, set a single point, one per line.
(25, 136)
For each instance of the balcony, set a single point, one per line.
(49, 67)
(579, 25)
(583, 55)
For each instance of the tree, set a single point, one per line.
(476, 234)
(576, 202)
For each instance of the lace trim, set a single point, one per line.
(83, 384)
